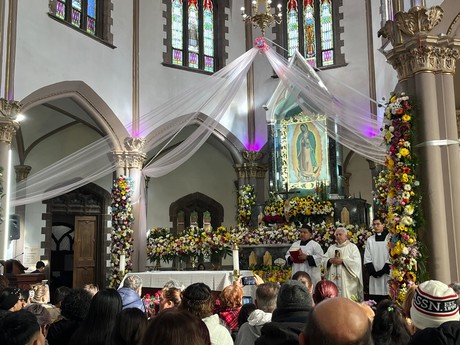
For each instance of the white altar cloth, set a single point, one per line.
(216, 280)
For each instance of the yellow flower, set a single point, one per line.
(403, 151)
(406, 117)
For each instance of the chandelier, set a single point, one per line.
(262, 19)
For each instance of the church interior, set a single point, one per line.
(193, 101)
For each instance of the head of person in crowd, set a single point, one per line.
(41, 293)
(305, 278)
(75, 305)
(325, 289)
(20, 328)
(293, 296)
(341, 235)
(91, 288)
(337, 321)
(197, 299)
(98, 324)
(130, 327)
(456, 287)
(133, 282)
(266, 295)
(24, 297)
(59, 295)
(170, 298)
(9, 299)
(173, 283)
(201, 267)
(389, 325)
(433, 304)
(231, 297)
(176, 326)
(244, 313)
(42, 314)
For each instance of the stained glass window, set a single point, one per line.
(82, 14)
(309, 29)
(192, 34)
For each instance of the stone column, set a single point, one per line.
(253, 172)
(8, 128)
(130, 162)
(22, 171)
(425, 65)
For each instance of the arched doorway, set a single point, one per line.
(76, 237)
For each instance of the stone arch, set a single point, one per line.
(89, 100)
(88, 200)
(224, 136)
(200, 203)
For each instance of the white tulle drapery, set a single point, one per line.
(348, 124)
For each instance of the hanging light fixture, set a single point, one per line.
(262, 19)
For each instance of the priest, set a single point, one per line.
(306, 254)
(342, 265)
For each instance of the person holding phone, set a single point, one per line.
(306, 254)
(342, 265)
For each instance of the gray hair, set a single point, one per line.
(345, 231)
(174, 284)
(133, 282)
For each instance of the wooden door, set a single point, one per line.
(84, 251)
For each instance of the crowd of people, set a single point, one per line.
(304, 310)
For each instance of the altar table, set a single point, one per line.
(216, 280)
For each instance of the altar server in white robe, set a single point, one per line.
(377, 261)
(343, 266)
(306, 254)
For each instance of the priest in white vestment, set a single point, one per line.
(306, 254)
(343, 266)
(377, 261)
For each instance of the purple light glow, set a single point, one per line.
(370, 132)
(255, 146)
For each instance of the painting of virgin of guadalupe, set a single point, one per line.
(305, 148)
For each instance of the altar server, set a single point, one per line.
(306, 254)
(377, 261)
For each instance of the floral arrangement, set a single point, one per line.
(324, 234)
(159, 245)
(403, 198)
(297, 208)
(121, 236)
(246, 199)
(151, 302)
(274, 274)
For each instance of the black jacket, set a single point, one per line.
(446, 334)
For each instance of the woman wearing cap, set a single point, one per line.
(306, 254)
(9, 300)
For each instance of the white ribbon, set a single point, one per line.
(439, 142)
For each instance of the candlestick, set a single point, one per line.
(122, 263)
(236, 260)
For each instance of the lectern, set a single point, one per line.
(14, 271)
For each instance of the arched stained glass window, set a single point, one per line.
(193, 34)
(86, 15)
(310, 29)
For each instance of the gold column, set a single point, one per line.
(130, 163)
(425, 65)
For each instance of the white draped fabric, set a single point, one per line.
(349, 125)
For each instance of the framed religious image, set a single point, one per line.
(304, 151)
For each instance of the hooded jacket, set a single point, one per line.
(130, 299)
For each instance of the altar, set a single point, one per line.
(216, 280)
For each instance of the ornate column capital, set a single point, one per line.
(252, 156)
(8, 124)
(250, 170)
(132, 156)
(414, 50)
(22, 171)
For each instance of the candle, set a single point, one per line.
(236, 260)
(122, 263)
